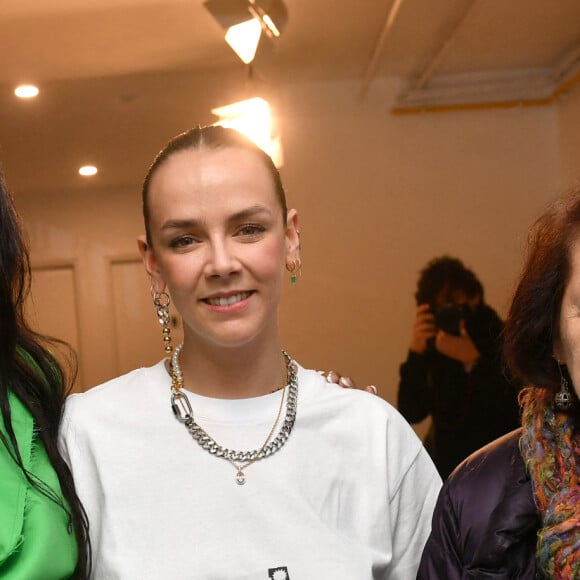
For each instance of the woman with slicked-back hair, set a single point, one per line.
(228, 459)
(43, 527)
(512, 509)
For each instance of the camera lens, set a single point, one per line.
(449, 317)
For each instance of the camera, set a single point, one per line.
(449, 316)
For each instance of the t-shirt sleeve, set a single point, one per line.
(411, 502)
(64, 434)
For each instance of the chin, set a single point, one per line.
(234, 333)
(233, 338)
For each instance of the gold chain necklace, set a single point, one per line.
(240, 475)
(183, 412)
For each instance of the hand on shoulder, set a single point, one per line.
(345, 381)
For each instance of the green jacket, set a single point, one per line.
(35, 543)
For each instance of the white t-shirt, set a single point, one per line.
(348, 497)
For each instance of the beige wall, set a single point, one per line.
(89, 231)
(378, 196)
(569, 138)
(381, 195)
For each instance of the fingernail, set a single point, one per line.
(331, 377)
(347, 382)
(372, 389)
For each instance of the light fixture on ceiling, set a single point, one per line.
(88, 170)
(243, 39)
(245, 20)
(252, 117)
(26, 91)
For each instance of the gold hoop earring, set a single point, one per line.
(295, 269)
(161, 301)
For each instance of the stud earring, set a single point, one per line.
(161, 302)
(295, 269)
(563, 398)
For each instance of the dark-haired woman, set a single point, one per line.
(229, 459)
(512, 509)
(43, 530)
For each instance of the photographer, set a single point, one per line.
(454, 371)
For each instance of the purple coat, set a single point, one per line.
(485, 521)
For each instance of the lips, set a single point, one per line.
(228, 300)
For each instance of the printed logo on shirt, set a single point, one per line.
(280, 573)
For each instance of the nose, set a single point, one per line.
(221, 260)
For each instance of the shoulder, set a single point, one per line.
(487, 492)
(119, 386)
(358, 419)
(115, 396)
(359, 416)
(483, 474)
(315, 390)
(496, 454)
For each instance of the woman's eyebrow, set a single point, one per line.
(250, 212)
(177, 224)
(191, 223)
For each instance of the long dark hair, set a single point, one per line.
(533, 321)
(550, 437)
(32, 373)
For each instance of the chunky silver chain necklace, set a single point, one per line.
(239, 459)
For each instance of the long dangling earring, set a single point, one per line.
(295, 269)
(563, 398)
(161, 302)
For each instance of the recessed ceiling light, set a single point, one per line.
(26, 91)
(87, 170)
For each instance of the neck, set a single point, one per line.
(232, 373)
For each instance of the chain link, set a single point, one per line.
(184, 413)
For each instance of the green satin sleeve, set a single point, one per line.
(35, 543)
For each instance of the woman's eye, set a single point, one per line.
(251, 230)
(182, 242)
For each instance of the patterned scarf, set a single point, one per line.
(551, 449)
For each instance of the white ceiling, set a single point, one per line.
(118, 77)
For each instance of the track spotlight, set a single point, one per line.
(245, 20)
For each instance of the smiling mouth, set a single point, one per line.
(227, 300)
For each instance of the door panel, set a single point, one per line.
(138, 333)
(52, 308)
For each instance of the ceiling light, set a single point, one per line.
(26, 91)
(252, 117)
(269, 16)
(88, 170)
(244, 38)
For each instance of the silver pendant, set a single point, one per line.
(240, 477)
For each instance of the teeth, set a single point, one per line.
(223, 301)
